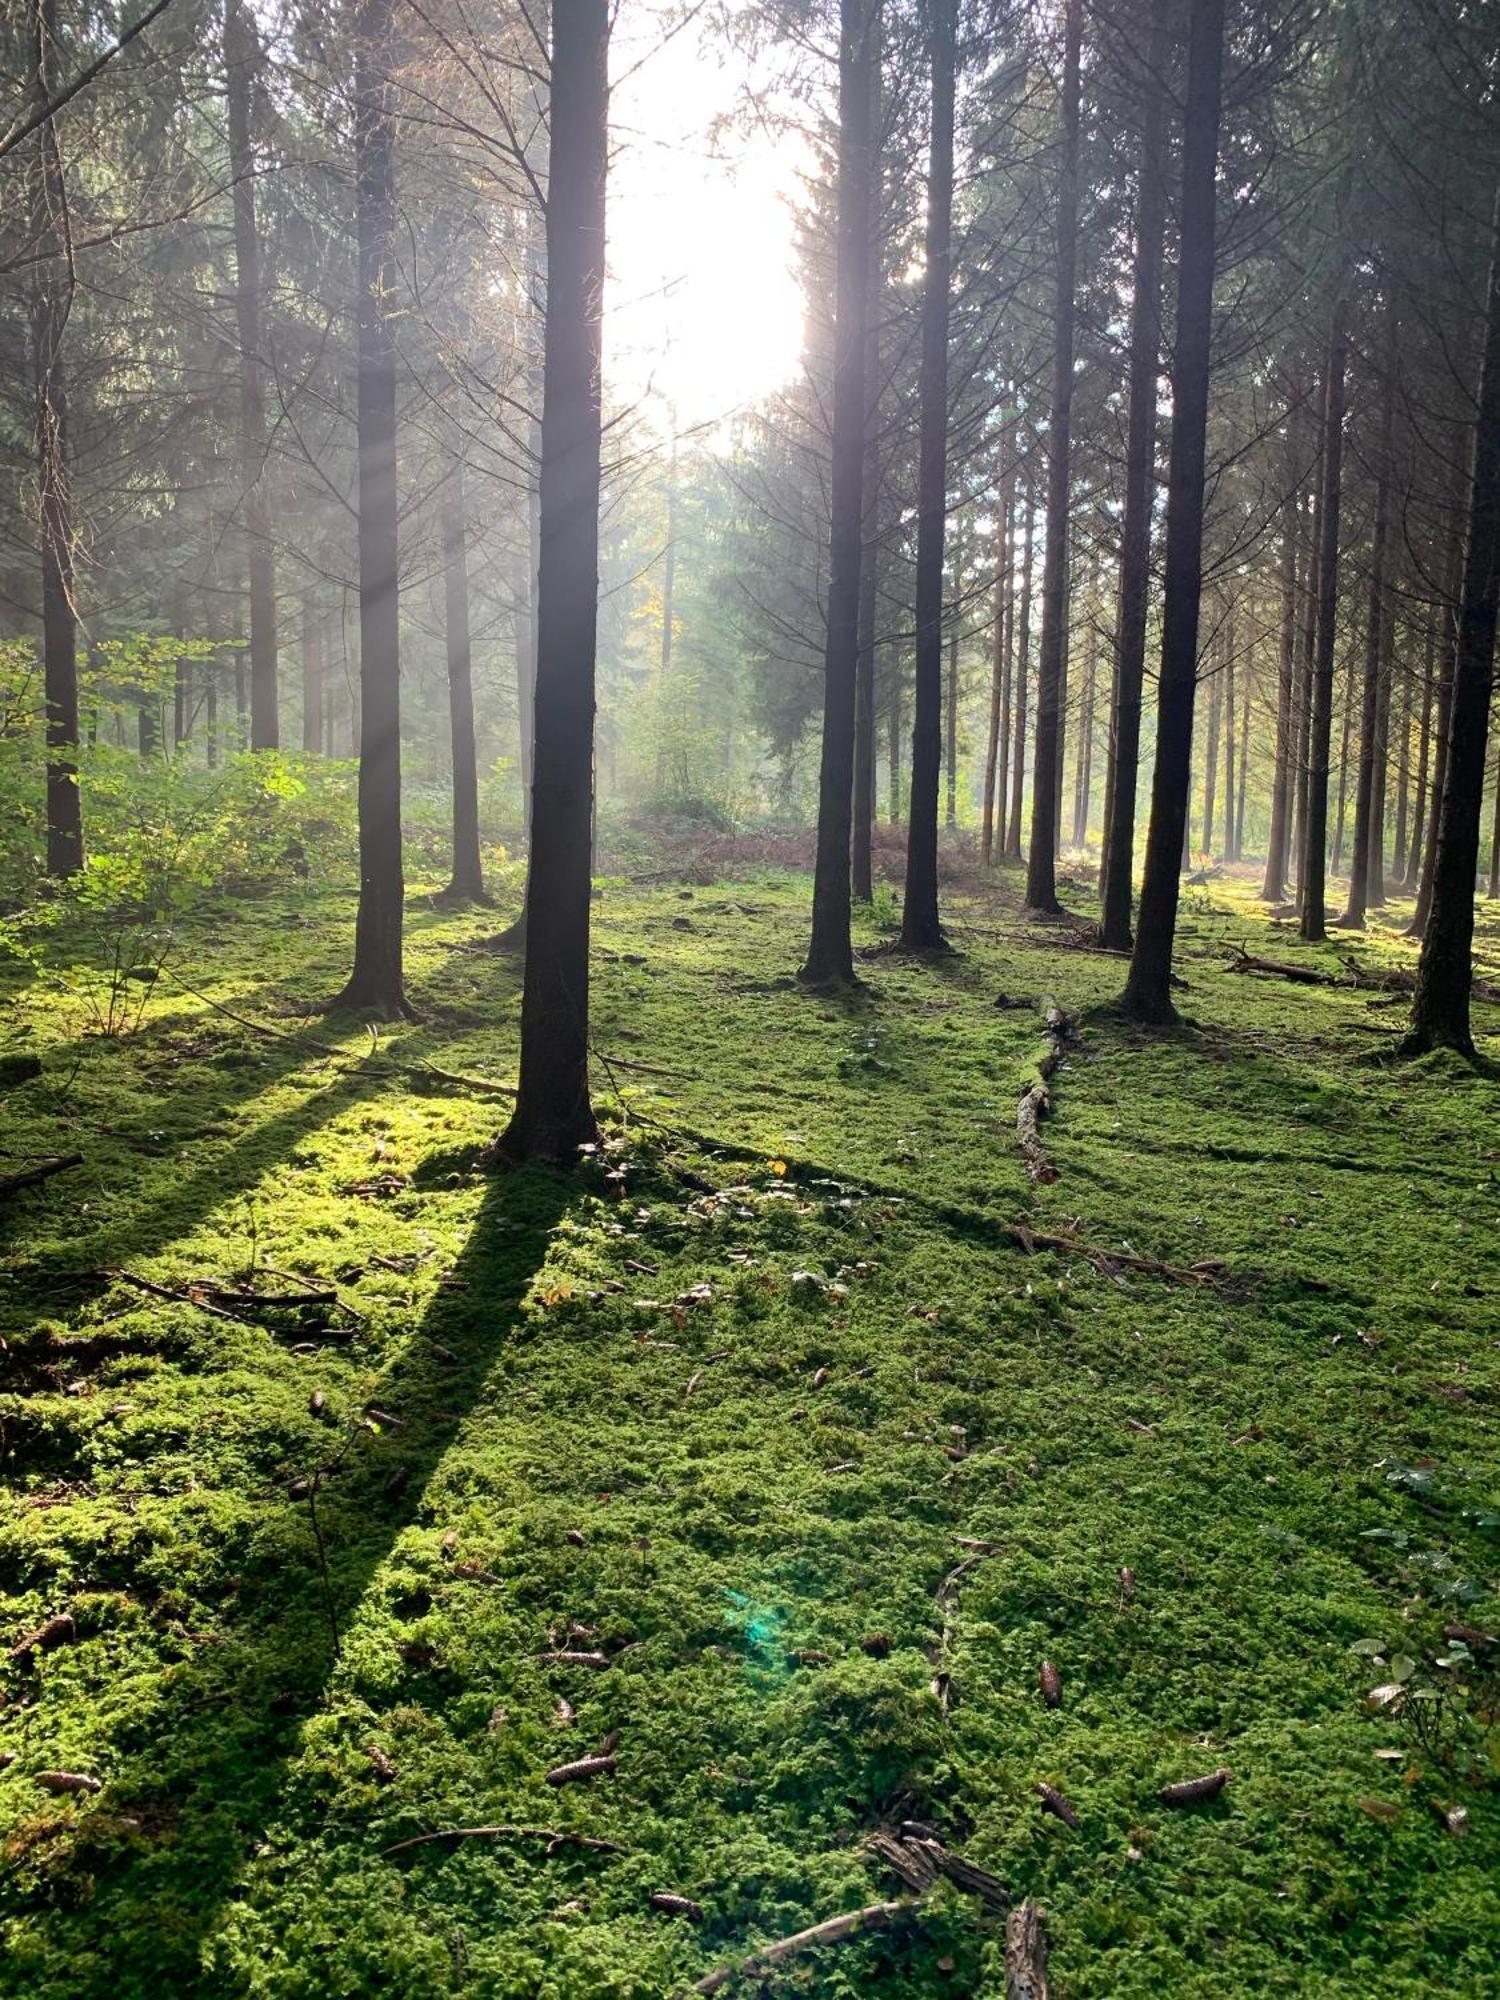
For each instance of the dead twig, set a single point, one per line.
(450, 1835)
(833, 1930)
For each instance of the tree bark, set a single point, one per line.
(921, 929)
(830, 952)
(1273, 883)
(376, 983)
(553, 1116)
(242, 59)
(997, 743)
(467, 882)
(1022, 675)
(51, 303)
(1147, 996)
(1041, 861)
(1135, 525)
(312, 675)
(862, 876)
(1440, 1008)
(1211, 772)
(1315, 825)
(1368, 813)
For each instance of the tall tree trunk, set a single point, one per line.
(1320, 727)
(376, 982)
(830, 951)
(1084, 763)
(1273, 884)
(312, 675)
(1041, 861)
(467, 882)
(553, 1116)
(950, 724)
(51, 303)
(1022, 675)
(1494, 887)
(896, 763)
(1403, 772)
(997, 743)
(242, 59)
(1229, 691)
(1440, 1008)
(1307, 650)
(668, 627)
(1147, 995)
(1211, 772)
(921, 929)
(1442, 730)
(1135, 526)
(862, 878)
(1239, 804)
(1368, 810)
(1345, 736)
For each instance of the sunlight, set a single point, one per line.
(704, 309)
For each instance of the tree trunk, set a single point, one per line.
(1084, 763)
(921, 929)
(1023, 673)
(1229, 792)
(1211, 773)
(830, 951)
(242, 58)
(1345, 737)
(376, 982)
(1118, 862)
(1494, 887)
(862, 877)
(1369, 802)
(553, 1116)
(1147, 995)
(1442, 733)
(467, 883)
(1247, 692)
(51, 303)
(997, 741)
(1308, 646)
(1315, 825)
(950, 730)
(1273, 884)
(1041, 863)
(1410, 880)
(312, 675)
(1440, 1007)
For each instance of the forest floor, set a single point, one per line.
(769, 1419)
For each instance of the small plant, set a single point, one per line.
(1447, 1702)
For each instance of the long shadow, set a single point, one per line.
(192, 1777)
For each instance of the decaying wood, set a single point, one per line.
(1026, 1955)
(834, 1930)
(1054, 1803)
(43, 1170)
(1036, 1101)
(580, 1769)
(911, 1860)
(385, 1770)
(58, 1631)
(1050, 1682)
(447, 1836)
(67, 1781)
(1194, 1791)
(971, 1878)
(566, 1657)
(918, 1856)
(1364, 978)
(677, 1906)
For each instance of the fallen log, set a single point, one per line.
(1026, 1955)
(833, 1930)
(42, 1171)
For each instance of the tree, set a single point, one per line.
(241, 73)
(376, 984)
(553, 1115)
(1320, 722)
(1148, 989)
(1041, 864)
(830, 952)
(1440, 1010)
(51, 302)
(466, 884)
(921, 927)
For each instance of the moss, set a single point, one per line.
(723, 1421)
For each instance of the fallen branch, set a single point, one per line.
(1036, 1101)
(1209, 1271)
(1026, 1955)
(834, 1930)
(42, 1171)
(554, 1839)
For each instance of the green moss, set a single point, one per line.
(727, 1439)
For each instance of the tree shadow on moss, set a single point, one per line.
(131, 1883)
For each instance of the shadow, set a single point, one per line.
(196, 1777)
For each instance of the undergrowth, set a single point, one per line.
(726, 1411)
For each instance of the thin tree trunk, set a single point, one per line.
(1248, 684)
(950, 729)
(553, 1116)
(921, 929)
(1403, 775)
(376, 982)
(1022, 675)
(312, 675)
(1041, 864)
(1345, 737)
(1273, 884)
(1147, 995)
(1447, 667)
(1308, 645)
(1440, 1007)
(1229, 746)
(1369, 804)
(1315, 825)
(1084, 763)
(51, 303)
(830, 952)
(996, 748)
(467, 882)
(242, 58)
(1494, 887)
(1211, 772)
(862, 860)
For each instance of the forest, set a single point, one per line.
(749, 998)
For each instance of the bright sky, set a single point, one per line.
(703, 311)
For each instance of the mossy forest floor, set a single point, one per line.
(728, 1410)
